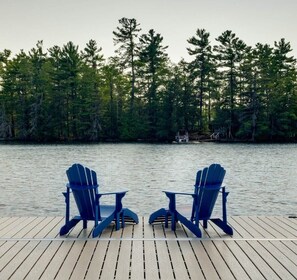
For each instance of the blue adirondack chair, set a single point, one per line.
(206, 189)
(84, 187)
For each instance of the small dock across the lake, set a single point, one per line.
(261, 248)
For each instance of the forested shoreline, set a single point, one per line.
(65, 94)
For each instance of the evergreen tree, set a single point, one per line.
(5, 98)
(92, 111)
(40, 84)
(66, 94)
(230, 53)
(126, 37)
(186, 101)
(283, 103)
(249, 102)
(153, 71)
(168, 123)
(57, 99)
(116, 89)
(17, 89)
(202, 69)
(263, 64)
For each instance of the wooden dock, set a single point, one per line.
(261, 248)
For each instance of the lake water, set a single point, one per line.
(262, 179)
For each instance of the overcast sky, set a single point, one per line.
(24, 22)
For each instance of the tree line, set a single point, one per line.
(227, 89)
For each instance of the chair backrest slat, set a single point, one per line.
(83, 183)
(207, 187)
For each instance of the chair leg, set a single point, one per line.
(101, 226)
(173, 221)
(129, 214)
(224, 204)
(118, 217)
(167, 219)
(67, 201)
(69, 225)
(192, 227)
(85, 224)
(224, 226)
(223, 223)
(205, 223)
(159, 213)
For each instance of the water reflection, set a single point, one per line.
(261, 178)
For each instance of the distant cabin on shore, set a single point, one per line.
(182, 136)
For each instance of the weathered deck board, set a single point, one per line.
(261, 248)
(137, 261)
(151, 270)
(40, 267)
(245, 262)
(123, 270)
(31, 259)
(164, 259)
(96, 263)
(207, 267)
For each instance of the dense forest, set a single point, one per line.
(236, 91)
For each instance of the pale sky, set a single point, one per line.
(24, 22)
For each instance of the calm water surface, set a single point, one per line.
(262, 179)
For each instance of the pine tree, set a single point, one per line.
(230, 53)
(202, 69)
(92, 100)
(153, 71)
(126, 37)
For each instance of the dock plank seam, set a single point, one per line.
(261, 248)
(146, 239)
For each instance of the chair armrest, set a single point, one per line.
(223, 191)
(118, 199)
(179, 193)
(222, 187)
(116, 193)
(172, 199)
(68, 187)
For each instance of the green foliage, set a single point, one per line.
(202, 71)
(66, 94)
(153, 71)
